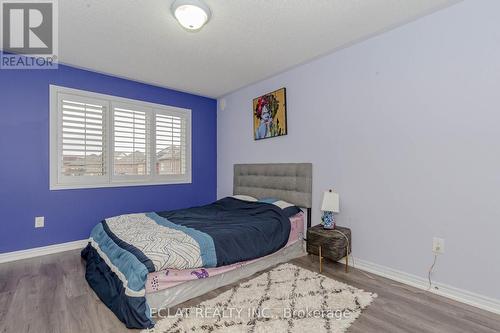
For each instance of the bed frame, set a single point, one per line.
(291, 182)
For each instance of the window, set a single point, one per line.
(99, 140)
(82, 144)
(170, 133)
(131, 147)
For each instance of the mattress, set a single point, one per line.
(169, 278)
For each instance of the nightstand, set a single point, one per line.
(329, 244)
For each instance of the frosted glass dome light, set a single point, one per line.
(191, 14)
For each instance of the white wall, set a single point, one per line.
(406, 127)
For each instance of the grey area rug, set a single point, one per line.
(287, 298)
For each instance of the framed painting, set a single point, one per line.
(269, 115)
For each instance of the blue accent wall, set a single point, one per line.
(70, 214)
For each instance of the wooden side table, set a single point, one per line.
(329, 244)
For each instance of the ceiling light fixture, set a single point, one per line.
(191, 14)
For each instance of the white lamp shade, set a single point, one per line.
(330, 202)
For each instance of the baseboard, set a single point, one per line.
(42, 251)
(457, 294)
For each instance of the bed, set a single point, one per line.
(141, 263)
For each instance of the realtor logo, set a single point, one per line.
(29, 34)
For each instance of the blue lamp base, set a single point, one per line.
(328, 219)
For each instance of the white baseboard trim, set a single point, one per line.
(42, 251)
(457, 294)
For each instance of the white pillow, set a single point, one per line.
(244, 197)
(283, 204)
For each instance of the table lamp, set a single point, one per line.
(329, 206)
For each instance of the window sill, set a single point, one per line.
(57, 187)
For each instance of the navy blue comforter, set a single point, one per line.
(241, 230)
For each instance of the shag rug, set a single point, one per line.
(285, 299)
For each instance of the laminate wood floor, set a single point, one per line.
(50, 294)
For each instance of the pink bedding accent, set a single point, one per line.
(171, 277)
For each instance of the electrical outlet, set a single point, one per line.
(438, 245)
(39, 222)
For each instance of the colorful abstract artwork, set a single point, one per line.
(269, 115)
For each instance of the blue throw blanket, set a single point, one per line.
(124, 249)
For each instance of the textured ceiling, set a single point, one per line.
(244, 42)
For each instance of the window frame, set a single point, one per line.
(58, 182)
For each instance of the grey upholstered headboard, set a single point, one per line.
(291, 182)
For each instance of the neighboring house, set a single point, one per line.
(169, 161)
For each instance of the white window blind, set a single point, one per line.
(99, 140)
(82, 148)
(170, 144)
(131, 144)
